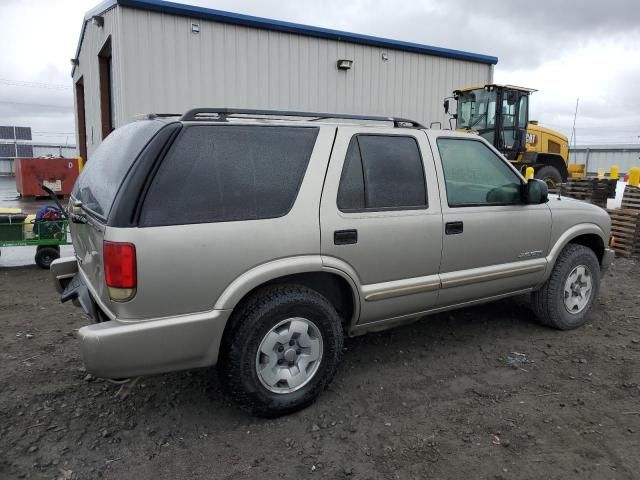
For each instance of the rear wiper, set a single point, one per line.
(74, 217)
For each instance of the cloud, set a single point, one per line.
(563, 48)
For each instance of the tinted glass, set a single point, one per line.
(475, 175)
(382, 172)
(351, 191)
(393, 173)
(101, 177)
(217, 173)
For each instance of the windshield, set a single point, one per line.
(100, 179)
(477, 109)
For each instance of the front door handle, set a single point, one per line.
(453, 228)
(345, 237)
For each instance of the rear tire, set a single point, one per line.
(549, 175)
(281, 349)
(45, 255)
(566, 299)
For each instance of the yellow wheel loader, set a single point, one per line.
(500, 114)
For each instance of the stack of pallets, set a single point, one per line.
(578, 188)
(631, 198)
(625, 227)
(600, 192)
(593, 190)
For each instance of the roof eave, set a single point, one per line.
(97, 10)
(278, 25)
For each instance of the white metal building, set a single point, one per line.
(604, 156)
(142, 56)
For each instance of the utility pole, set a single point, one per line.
(572, 140)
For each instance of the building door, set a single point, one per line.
(82, 123)
(106, 89)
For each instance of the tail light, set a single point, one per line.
(120, 270)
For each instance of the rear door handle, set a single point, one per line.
(453, 228)
(345, 237)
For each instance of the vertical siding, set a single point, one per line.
(163, 67)
(87, 69)
(598, 156)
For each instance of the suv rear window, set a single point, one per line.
(100, 179)
(218, 173)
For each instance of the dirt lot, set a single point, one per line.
(443, 398)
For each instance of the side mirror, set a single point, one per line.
(535, 192)
(446, 105)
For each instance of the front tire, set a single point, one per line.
(282, 348)
(549, 175)
(566, 299)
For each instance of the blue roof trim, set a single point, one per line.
(280, 26)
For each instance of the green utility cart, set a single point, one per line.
(46, 235)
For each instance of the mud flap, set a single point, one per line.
(78, 292)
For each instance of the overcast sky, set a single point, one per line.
(564, 48)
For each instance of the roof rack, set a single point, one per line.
(151, 116)
(221, 114)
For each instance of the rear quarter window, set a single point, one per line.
(218, 173)
(105, 170)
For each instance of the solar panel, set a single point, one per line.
(25, 151)
(7, 150)
(23, 133)
(7, 133)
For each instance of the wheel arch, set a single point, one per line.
(590, 235)
(592, 241)
(338, 286)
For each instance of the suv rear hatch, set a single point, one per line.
(95, 192)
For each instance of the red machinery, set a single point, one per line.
(59, 174)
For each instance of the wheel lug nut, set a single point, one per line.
(292, 342)
(281, 348)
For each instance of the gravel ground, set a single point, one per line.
(479, 393)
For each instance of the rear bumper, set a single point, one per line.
(607, 258)
(122, 348)
(117, 349)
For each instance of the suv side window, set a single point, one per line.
(218, 173)
(382, 172)
(475, 175)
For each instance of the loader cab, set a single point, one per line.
(498, 113)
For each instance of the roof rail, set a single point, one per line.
(221, 114)
(151, 116)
